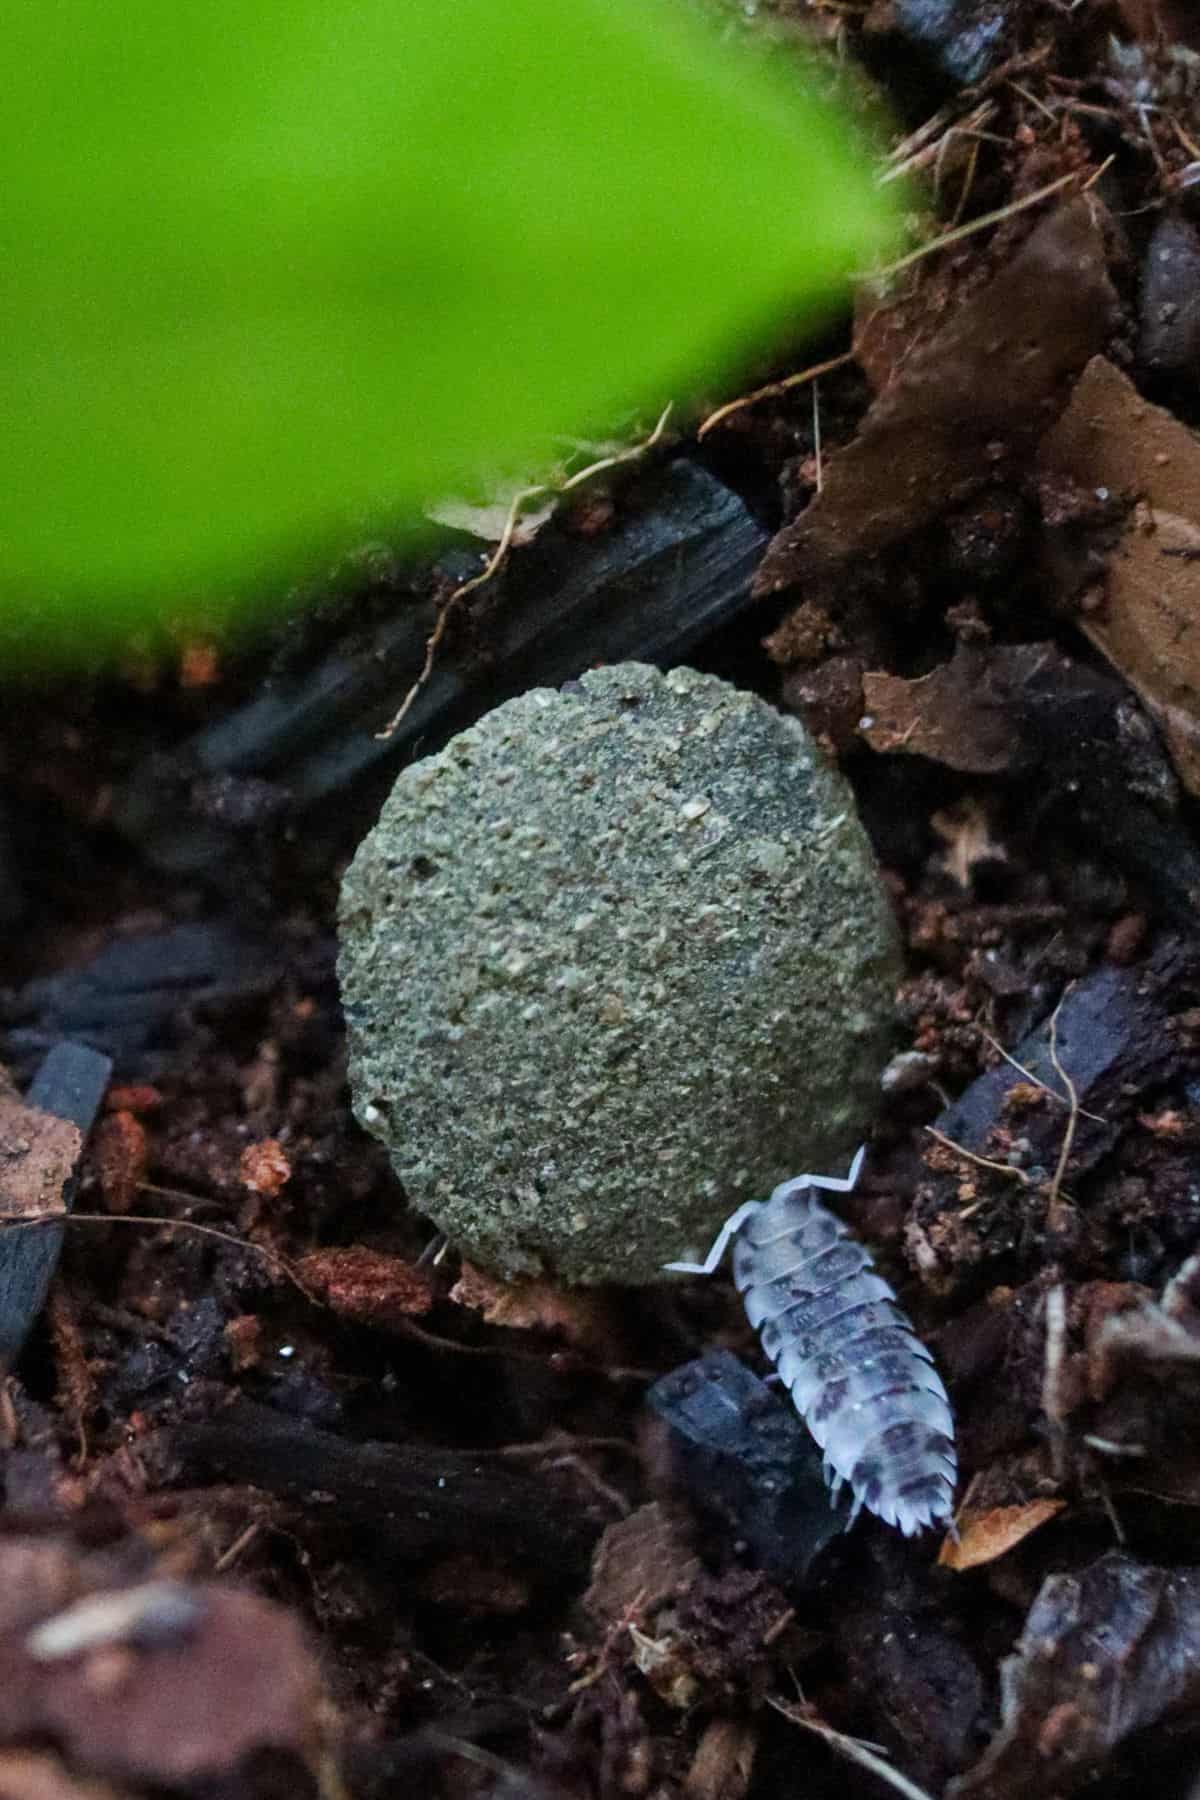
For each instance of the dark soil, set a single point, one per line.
(254, 1371)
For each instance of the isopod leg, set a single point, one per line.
(833, 1184)
(733, 1223)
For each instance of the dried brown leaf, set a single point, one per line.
(983, 389)
(984, 1536)
(1110, 439)
(968, 714)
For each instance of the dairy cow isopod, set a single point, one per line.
(860, 1378)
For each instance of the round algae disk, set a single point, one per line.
(614, 961)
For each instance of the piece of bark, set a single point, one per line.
(1169, 339)
(412, 1498)
(641, 1563)
(978, 395)
(1110, 440)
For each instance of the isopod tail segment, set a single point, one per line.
(859, 1376)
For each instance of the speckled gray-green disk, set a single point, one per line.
(614, 961)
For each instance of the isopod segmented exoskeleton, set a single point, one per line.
(861, 1379)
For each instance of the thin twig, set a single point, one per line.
(772, 390)
(853, 1749)
(1036, 1080)
(498, 556)
(453, 600)
(432, 1340)
(925, 146)
(1072, 1118)
(968, 184)
(969, 229)
(1052, 1378)
(190, 1225)
(1033, 100)
(558, 1443)
(1105, 166)
(588, 1475)
(816, 397)
(984, 1162)
(241, 1542)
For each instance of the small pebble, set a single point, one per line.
(586, 1039)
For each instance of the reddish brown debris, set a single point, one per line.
(120, 1154)
(579, 1317)
(264, 1167)
(367, 1286)
(475, 1587)
(640, 1563)
(134, 1097)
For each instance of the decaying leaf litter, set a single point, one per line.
(431, 1517)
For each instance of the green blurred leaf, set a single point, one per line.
(271, 274)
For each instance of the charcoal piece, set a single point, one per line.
(69, 1085)
(1105, 776)
(674, 566)
(1105, 1653)
(965, 37)
(126, 1000)
(744, 1455)
(411, 1498)
(1114, 1041)
(1169, 341)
